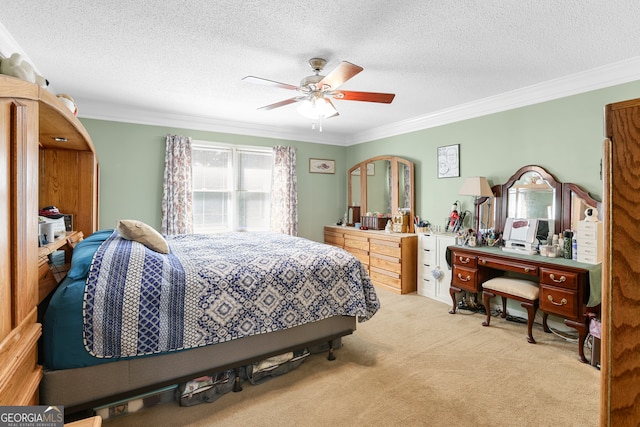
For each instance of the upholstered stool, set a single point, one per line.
(525, 291)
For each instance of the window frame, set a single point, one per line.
(234, 179)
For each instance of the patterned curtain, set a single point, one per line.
(284, 191)
(177, 193)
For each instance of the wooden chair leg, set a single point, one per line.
(531, 313)
(486, 300)
(504, 308)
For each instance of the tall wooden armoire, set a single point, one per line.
(46, 158)
(620, 358)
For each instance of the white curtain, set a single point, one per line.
(284, 191)
(177, 195)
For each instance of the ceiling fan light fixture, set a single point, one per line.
(316, 108)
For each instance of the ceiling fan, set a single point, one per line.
(317, 90)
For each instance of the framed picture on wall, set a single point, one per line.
(322, 166)
(449, 161)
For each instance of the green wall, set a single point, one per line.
(564, 136)
(131, 161)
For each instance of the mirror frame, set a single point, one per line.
(563, 199)
(568, 190)
(502, 194)
(395, 191)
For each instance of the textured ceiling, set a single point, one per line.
(181, 62)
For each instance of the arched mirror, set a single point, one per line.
(531, 196)
(532, 192)
(567, 202)
(383, 184)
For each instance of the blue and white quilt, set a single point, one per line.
(215, 288)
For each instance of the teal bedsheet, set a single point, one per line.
(62, 340)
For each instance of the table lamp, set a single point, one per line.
(476, 186)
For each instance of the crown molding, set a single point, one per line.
(597, 78)
(98, 111)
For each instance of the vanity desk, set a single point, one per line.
(568, 289)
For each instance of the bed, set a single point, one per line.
(128, 320)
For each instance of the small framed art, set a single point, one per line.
(449, 161)
(322, 166)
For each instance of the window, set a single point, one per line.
(231, 188)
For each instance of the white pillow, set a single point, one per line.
(140, 232)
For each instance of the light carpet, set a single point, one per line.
(413, 364)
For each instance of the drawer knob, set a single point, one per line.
(563, 301)
(483, 261)
(463, 279)
(560, 280)
(464, 260)
(527, 269)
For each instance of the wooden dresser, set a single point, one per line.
(390, 257)
(46, 158)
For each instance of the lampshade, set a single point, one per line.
(476, 186)
(317, 108)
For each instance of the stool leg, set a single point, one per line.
(531, 313)
(504, 307)
(486, 300)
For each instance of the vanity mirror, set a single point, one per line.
(382, 184)
(533, 192)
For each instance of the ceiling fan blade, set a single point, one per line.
(282, 103)
(348, 95)
(343, 72)
(272, 83)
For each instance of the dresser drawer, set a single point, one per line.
(334, 239)
(590, 259)
(588, 250)
(385, 278)
(465, 278)
(427, 260)
(515, 266)
(391, 249)
(363, 256)
(357, 243)
(561, 301)
(587, 243)
(427, 242)
(464, 260)
(385, 263)
(426, 255)
(559, 278)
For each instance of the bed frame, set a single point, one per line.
(80, 390)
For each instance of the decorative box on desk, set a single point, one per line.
(374, 222)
